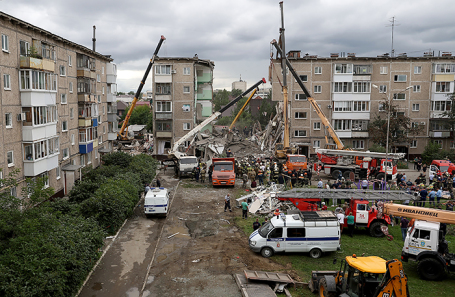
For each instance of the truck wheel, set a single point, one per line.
(380, 176)
(431, 269)
(315, 253)
(323, 289)
(375, 230)
(266, 252)
(346, 174)
(336, 173)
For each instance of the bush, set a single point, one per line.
(145, 166)
(433, 151)
(117, 159)
(402, 165)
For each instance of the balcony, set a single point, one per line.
(111, 98)
(37, 63)
(204, 95)
(111, 73)
(85, 122)
(163, 134)
(86, 98)
(33, 168)
(33, 133)
(95, 143)
(440, 134)
(163, 115)
(94, 122)
(111, 117)
(85, 147)
(359, 134)
(38, 98)
(163, 97)
(204, 78)
(111, 135)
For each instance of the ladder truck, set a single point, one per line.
(425, 242)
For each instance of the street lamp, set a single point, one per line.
(388, 129)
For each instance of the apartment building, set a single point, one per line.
(344, 89)
(56, 101)
(182, 98)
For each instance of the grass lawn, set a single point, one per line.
(359, 244)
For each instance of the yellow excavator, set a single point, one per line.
(362, 277)
(122, 135)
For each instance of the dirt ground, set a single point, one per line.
(146, 260)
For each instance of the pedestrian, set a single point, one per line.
(280, 179)
(158, 182)
(404, 177)
(256, 225)
(416, 160)
(266, 220)
(351, 226)
(203, 174)
(244, 210)
(419, 165)
(431, 196)
(229, 153)
(147, 188)
(244, 179)
(320, 184)
(424, 167)
(404, 227)
(438, 195)
(340, 217)
(423, 197)
(227, 203)
(210, 173)
(365, 184)
(431, 176)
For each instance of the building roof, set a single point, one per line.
(122, 105)
(136, 128)
(54, 36)
(195, 59)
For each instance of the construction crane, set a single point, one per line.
(123, 133)
(328, 127)
(425, 241)
(242, 109)
(175, 154)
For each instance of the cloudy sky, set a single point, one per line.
(236, 34)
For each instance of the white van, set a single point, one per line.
(156, 201)
(311, 231)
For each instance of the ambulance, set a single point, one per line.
(313, 232)
(156, 202)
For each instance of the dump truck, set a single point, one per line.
(223, 172)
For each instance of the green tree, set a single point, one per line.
(139, 116)
(131, 93)
(236, 92)
(401, 128)
(120, 93)
(433, 151)
(220, 98)
(266, 112)
(36, 191)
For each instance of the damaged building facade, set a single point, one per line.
(57, 104)
(342, 85)
(183, 95)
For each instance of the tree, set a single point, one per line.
(220, 98)
(236, 92)
(433, 151)
(120, 93)
(266, 112)
(139, 116)
(401, 128)
(130, 93)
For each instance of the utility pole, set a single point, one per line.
(285, 87)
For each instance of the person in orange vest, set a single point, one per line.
(277, 213)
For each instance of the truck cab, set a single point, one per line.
(296, 162)
(441, 166)
(366, 216)
(185, 165)
(223, 172)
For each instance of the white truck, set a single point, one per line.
(185, 165)
(156, 202)
(315, 232)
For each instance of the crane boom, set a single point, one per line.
(313, 102)
(242, 109)
(122, 135)
(420, 213)
(216, 114)
(360, 154)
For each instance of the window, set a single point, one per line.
(414, 143)
(342, 125)
(70, 61)
(300, 115)
(63, 99)
(70, 87)
(415, 107)
(316, 143)
(100, 139)
(37, 80)
(296, 232)
(104, 109)
(163, 69)
(444, 68)
(381, 106)
(317, 126)
(186, 89)
(361, 106)
(399, 96)
(57, 172)
(163, 106)
(24, 48)
(362, 69)
(5, 43)
(343, 68)
(10, 158)
(299, 133)
(415, 124)
(96, 154)
(303, 78)
(435, 141)
(82, 160)
(13, 191)
(342, 106)
(417, 69)
(64, 126)
(452, 146)
(6, 81)
(72, 139)
(416, 88)
(98, 78)
(442, 87)
(317, 89)
(102, 70)
(358, 144)
(382, 89)
(383, 70)
(359, 125)
(164, 126)
(163, 89)
(186, 107)
(300, 97)
(100, 97)
(400, 78)
(186, 71)
(104, 129)
(8, 120)
(186, 126)
(89, 158)
(361, 87)
(342, 87)
(441, 105)
(62, 70)
(318, 70)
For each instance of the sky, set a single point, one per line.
(236, 34)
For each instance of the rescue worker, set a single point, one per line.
(301, 181)
(203, 174)
(244, 179)
(261, 177)
(293, 180)
(305, 179)
(210, 173)
(229, 153)
(267, 176)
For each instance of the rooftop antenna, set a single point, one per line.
(392, 21)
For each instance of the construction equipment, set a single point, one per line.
(425, 240)
(223, 172)
(174, 153)
(362, 277)
(242, 109)
(123, 133)
(342, 162)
